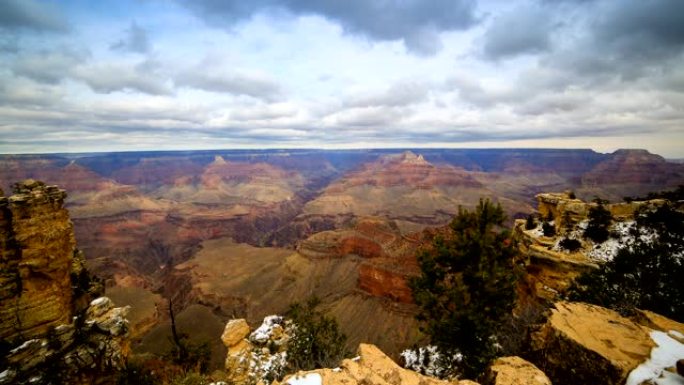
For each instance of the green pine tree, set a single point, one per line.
(467, 288)
(599, 221)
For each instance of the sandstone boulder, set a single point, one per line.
(236, 330)
(371, 367)
(585, 344)
(515, 371)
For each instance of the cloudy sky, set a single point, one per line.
(164, 74)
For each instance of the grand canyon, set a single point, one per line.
(244, 233)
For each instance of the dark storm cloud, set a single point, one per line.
(629, 39)
(521, 31)
(641, 29)
(31, 14)
(135, 40)
(416, 22)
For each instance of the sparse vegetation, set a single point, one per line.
(672, 195)
(599, 221)
(569, 244)
(466, 289)
(317, 341)
(184, 353)
(645, 275)
(548, 229)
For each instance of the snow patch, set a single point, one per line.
(676, 334)
(99, 301)
(263, 333)
(663, 356)
(25, 345)
(7, 375)
(307, 379)
(426, 360)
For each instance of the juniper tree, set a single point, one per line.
(466, 288)
(317, 341)
(599, 220)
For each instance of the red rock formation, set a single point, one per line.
(389, 255)
(634, 167)
(407, 169)
(379, 282)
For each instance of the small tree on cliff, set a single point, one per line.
(317, 341)
(467, 288)
(599, 221)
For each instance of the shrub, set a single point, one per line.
(571, 245)
(548, 229)
(599, 220)
(467, 288)
(530, 223)
(645, 275)
(135, 374)
(317, 340)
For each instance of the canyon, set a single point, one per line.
(225, 234)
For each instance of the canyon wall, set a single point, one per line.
(38, 246)
(52, 328)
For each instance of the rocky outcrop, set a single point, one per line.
(552, 268)
(388, 255)
(50, 330)
(514, 371)
(588, 344)
(560, 207)
(259, 356)
(370, 367)
(90, 350)
(399, 186)
(36, 262)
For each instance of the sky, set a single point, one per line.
(126, 75)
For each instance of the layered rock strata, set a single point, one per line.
(50, 330)
(37, 255)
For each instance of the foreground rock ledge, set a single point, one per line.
(515, 371)
(371, 367)
(587, 344)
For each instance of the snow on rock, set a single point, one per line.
(607, 250)
(663, 356)
(264, 332)
(426, 360)
(306, 379)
